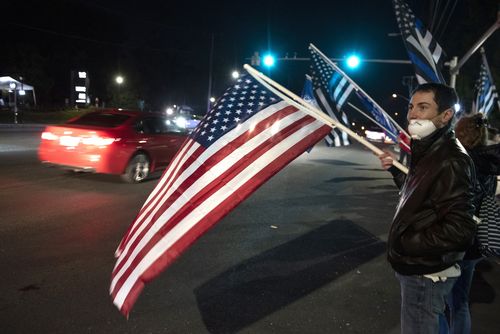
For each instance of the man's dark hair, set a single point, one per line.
(444, 96)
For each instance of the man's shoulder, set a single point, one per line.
(454, 149)
(452, 152)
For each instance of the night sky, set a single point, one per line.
(163, 48)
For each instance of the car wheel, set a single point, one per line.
(137, 169)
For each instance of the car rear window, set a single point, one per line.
(158, 125)
(101, 119)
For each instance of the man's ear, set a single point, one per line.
(448, 115)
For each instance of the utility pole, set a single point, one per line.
(13, 87)
(210, 68)
(15, 104)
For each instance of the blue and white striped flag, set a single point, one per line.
(388, 127)
(424, 52)
(330, 90)
(486, 92)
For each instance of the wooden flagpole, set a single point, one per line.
(299, 103)
(331, 63)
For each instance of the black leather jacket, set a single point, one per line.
(433, 224)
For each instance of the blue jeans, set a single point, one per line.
(422, 303)
(458, 300)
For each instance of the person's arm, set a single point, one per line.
(386, 161)
(451, 226)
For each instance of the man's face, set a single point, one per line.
(423, 106)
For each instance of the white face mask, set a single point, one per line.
(421, 128)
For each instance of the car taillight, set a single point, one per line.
(49, 136)
(98, 141)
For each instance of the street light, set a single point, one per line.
(119, 79)
(212, 99)
(235, 74)
(394, 95)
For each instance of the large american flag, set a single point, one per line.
(486, 92)
(247, 137)
(331, 91)
(424, 51)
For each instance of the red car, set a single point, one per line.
(128, 143)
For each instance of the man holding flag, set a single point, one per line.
(433, 225)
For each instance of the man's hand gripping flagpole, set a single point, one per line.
(296, 101)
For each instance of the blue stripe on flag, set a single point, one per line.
(424, 67)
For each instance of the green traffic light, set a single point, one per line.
(353, 61)
(269, 60)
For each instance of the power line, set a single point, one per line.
(443, 13)
(433, 18)
(135, 18)
(91, 40)
(52, 32)
(448, 19)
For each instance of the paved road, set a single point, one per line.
(304, 254)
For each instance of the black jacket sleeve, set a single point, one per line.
(398, 176)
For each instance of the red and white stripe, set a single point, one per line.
(203, 185)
